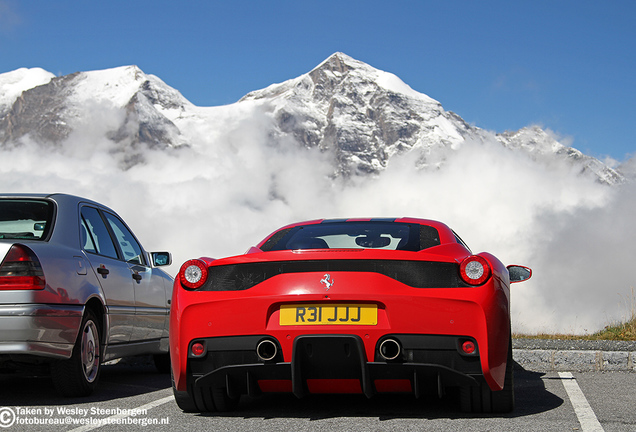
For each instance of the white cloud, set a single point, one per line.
(229, 190)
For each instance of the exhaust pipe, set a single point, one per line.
(390, 349)
(266, 350)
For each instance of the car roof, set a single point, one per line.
(66, 215)
(60, 198)
(419, 221)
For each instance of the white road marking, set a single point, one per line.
(116, 417)
(583, 410)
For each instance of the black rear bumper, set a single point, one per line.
(334, 357)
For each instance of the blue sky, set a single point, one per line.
(501, 65)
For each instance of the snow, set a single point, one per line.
(392, 83)
(13, 83)
(116, 85)
(445, 130)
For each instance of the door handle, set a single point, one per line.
(137, 277)
(102, 270)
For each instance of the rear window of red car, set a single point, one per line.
(355, 235)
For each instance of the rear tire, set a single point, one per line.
(504, 401)
(214, 400)
(162, 363)
(78, 376)
(222, 401)
(183, 398)
(483, 400)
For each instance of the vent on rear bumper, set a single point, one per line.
(417, 274)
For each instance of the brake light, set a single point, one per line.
(193, 274)
(474, 270)
(21, 270)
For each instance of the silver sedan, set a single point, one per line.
(77, 289)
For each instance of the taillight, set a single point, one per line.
(468, 347)
(193, 274)
(197, 349)
(474, 270)
(21, 270)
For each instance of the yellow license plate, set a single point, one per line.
(329, 314)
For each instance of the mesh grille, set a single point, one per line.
(417, 274)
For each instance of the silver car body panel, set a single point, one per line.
(119, 297)
(39, 329)
(133, 299)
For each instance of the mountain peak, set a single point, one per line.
(340, 63)
(364, 116)
(49, 112)
(340, 66)
(335, 73)
(359, 114)
(117, 85)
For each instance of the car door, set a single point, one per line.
(112, 272)
(151, 311)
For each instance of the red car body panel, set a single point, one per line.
(477, 312)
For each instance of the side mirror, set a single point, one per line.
(519, 273)
(161, 258)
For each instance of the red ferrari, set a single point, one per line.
(345, 306)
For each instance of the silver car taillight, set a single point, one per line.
(21, 270)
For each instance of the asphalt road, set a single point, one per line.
(134, 397)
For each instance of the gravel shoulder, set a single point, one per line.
(550, 355)
(567, 344)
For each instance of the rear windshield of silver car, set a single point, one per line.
(25, 219)
(355, 235)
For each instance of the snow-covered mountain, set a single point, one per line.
(358, 115)
(130, 103)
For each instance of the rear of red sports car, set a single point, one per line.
(344, 306)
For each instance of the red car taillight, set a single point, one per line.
(474, 270)
(21, 270)
(468, 347)
(197, 349)
(193, 274)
